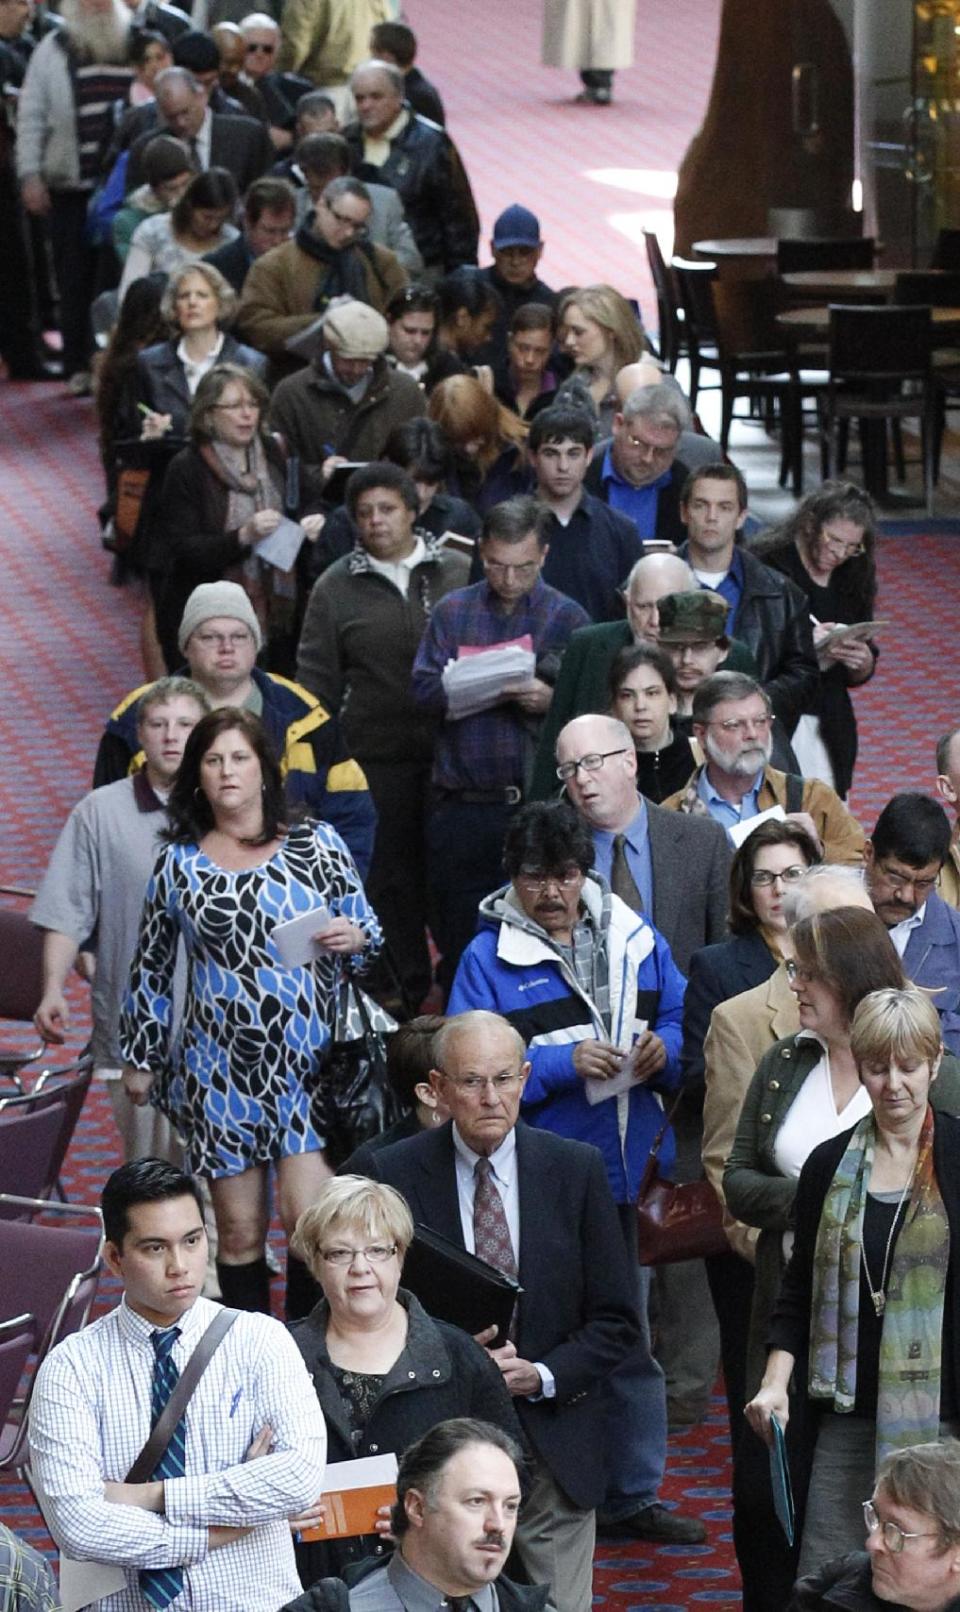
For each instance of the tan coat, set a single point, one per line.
(587, 33)
(279, 295)
(326, 39)
(840, 834)
(950, 872)
(741, 1031)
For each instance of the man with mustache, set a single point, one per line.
(903, 860)
(458, 1498)
(733, 724)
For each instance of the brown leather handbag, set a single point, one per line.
(676, 1220)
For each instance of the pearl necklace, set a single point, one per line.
(879, 1295)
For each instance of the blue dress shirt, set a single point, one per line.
(731, 589)
(723, 811)
(638, 855)
(639, 503)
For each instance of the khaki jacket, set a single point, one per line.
(840, 833)
(950, 872)
(280, 291)
(741, 1031)
(326, 39)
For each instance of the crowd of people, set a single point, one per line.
(610, 900)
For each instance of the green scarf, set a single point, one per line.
(908, 1396)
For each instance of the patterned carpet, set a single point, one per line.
(69, 641)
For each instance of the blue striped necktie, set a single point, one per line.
(161, 1585)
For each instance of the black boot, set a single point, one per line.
(245, 1287)
(302, 1291)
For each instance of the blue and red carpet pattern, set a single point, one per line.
(69, 641)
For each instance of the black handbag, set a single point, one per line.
(358, 1102)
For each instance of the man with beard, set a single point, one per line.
(64, 123)
(733, 723)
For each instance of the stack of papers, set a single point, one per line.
(477, 681)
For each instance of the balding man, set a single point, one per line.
(585, 669)
(548, 1204)
(214, 139)
(392, 145)
(638, 469)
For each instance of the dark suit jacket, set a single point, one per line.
(239, 144)
(932, 959)
(233, 261)
(669, 524)
(691, 877)
(717, 973)
(576, 1315)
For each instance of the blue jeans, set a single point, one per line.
(637, 1408)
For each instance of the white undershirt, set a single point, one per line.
(813, 1118)
(901, 932)
(710, 579)
(398, 571)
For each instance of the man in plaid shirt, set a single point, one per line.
(482, 762)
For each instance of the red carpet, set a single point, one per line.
(69, 640)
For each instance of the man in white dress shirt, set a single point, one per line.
(210, 1529)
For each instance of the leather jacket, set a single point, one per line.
(424, 167)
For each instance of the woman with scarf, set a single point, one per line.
(222, 495)
(868, 1310)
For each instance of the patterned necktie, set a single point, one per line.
(622, 882)
(491, 1234)
(161, 1585)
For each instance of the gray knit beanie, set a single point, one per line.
(217, 599)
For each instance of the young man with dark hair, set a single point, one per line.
(904, 859)
(269, 215)
(395, 42)
(593, 548)
(211, 1520)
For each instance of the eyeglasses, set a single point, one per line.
(376, 1254)
(590, 763)
(473, 1085)
(264, 50)
(741, 725)
(534, 879)
(762, 876)
(345, 222)
(894, 1537)
(529, 568)
(798, 975)
(839, 546)
(651, 448)
(901, 881)
(224, 640)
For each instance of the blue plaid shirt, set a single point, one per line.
(493, 749)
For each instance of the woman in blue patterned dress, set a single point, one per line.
(243, 1084)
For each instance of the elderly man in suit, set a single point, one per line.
(539, 1207)
(215, 139)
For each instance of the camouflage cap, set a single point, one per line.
(687, 618)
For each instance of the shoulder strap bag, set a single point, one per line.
(676, 1220)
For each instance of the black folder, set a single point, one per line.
(455, 1286)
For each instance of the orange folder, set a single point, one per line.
(353, 1493)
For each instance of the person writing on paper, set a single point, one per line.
(867, 1311)
(222, 496)
(456, 1513)
(242, 1085)
(911, 1555)
(209, 1527)
(385, 1372)
(827, 548)
(593, 989)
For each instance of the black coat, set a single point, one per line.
(849, 596)
(670, 527)
(233, 260)
(577, 1313)
(424, 167)
(845, 1582)
(773, 620)
(423, 96)
(715, 974)
(441, 1373)
(239, 144)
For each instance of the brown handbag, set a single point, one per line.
(131, 489)
(676, 1220)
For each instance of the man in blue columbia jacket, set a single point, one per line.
(594, 991)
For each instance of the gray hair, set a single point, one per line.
(663, 404)
(943, 749)
(926, 1478)
(725, 686)
(176, 75)
(260, 19)
(376, 65)
(478, 1021)
(166, 689)
(513, 520)
(346, 186)
(648, 561)
(802, 899)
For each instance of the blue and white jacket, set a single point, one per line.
(513, 968)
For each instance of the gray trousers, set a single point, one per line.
(555, 1541)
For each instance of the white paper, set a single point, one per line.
(739, 832)
(476, 682)
(85, 1583)
(294, 938)
(281, 547)
(597, 1091)
(367, 1472)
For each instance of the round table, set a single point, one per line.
(815, 322)
(738, 246)
(844, 284)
